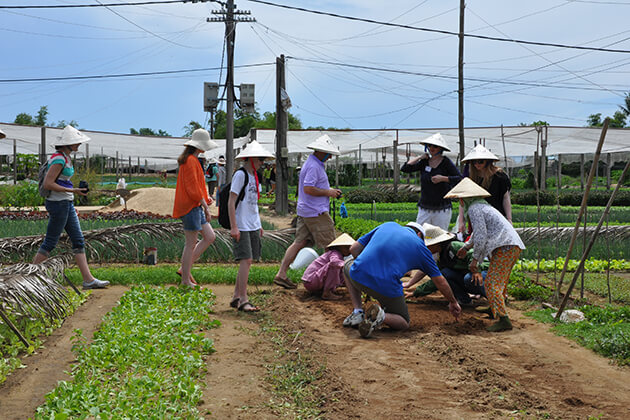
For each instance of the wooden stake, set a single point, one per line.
(14, 329)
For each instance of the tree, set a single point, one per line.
(243, 122)
(625, 108)
(63, 123)
(618, 120)
(190, 127)
(41, 119)
(148, 132)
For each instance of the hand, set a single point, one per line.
(334, 193)
(436, 179)
(473, 266)
(80, 191)
(262, 232)
(461, 227)
(477, 279)
(461, 254)
(235, 233)
(455, 310)
(210, 200)
(408, 293)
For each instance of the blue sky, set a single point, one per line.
(508, 83)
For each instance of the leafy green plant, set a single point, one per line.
(522, 287)
(147, 359)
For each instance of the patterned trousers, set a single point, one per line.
(501, 263)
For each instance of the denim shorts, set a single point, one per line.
(62, 216)
(194, 219)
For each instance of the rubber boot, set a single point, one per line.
(503, 324)
(485, 310)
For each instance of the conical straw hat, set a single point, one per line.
(324, 144)
(70, 136)
(201, 140)
(435, 234)
(436, 140)
(2, 135)
(254, 149)
(343, 239)
(480, 153)
(467, 188)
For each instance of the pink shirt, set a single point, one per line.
(325, 273)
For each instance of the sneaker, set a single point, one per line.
(374, 317)
(354, 319)
(96, 284)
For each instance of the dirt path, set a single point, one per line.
(24, 389)
(438, 369)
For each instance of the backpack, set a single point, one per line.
(224, 196)
(41, 175)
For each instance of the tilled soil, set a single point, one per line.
(439, 369)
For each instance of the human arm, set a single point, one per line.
(442, 285)
(234, 232)
(51, 176)
(461, 224)
(322, 192)
(415, 279)
(415, 163)
(356, 248)
(507, 206)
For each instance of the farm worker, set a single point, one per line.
(211, 176)
(59, 204)
(454, 268)
(491, 178)
(191, 203)
(493, 237)
(267, 177)
(246, 229)
(314, 224)
(381, 258)
(325, 274)
(221, 176)
(438, 174)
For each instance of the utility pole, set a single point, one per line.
(282, 126)
(227, 16)
(460, 89)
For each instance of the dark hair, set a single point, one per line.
(189, 150)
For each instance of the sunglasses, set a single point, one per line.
(474, 162)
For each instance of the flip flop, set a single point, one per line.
(286, 283)
(248, 307)
(234, 303)
(192, 279)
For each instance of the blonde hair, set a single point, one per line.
(189, 150)
(484, 177)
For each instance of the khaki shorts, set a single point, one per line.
(248, 247)
(319, 230)
(391, 305)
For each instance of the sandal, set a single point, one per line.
(192, 279)
(248, 307)
(234, 303)
(286, 283)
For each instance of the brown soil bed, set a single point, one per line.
(439, 369)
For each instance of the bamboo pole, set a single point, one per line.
(589, 182)
(14, 328)
(593, 237)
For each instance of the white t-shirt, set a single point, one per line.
(247, 218)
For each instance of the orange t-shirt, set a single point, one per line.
(191, 187)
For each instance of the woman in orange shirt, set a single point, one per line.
(191, 203)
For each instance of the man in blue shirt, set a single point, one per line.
(381, 259)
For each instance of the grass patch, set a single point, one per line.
(605, 330)
(11, 348)
(147, 360)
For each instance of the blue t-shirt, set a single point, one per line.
(390, 251)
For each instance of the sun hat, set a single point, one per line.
(212, 160)
(467, 188)
(343, 239)
(2, 135)
(436, 140)
(221, 160)
(201, 156)
(480, 153)
(435, 234)
(254, 149)
(201, 140)
(416, 226)
(324, 144)
(70, 136)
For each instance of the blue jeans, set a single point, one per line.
(461, 284)
(62, 216)
(473, 289)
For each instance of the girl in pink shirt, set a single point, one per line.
(325, 274)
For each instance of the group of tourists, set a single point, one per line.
(373, 264)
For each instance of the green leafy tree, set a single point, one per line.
(63, 123)
(148, 132)
(618, 120)
(190, 127)
(625, 108)
(41, 119)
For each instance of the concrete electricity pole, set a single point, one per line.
(460, 89)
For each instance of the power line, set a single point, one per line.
(115, 76)
(440, 31)
(70, 6)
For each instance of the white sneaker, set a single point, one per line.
(354, 319)
(374, 317)
(96, 284)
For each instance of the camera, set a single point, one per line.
(84, 184)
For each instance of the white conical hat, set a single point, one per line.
(480, 153)
(2, 135)
(70, 136)
(201, 140)
(467, 188)
(254, 149)
(324, 144)
(343, 239)
(435, 234)
(436, 140)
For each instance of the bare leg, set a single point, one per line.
(240, 289)
(355, 294)
(396, 322)
(39, 258)
(207, 238)
(187, 256)
(82, 263)
(289, 256)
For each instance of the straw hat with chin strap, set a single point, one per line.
(467, 188)
(436, 140)
(435, 234)
(480, 153)
(324, 144)
(70, 136)
(254, 149)
(201, 140)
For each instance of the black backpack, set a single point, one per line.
(224, 196)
